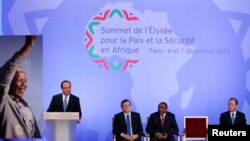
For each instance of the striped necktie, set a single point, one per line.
(162, 119)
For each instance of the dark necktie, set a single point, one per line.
(65, 103)
(232, 118)
(128, 125)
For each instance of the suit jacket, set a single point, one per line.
(119, 125)
(56, 104)
(225, 118)
(169, 126)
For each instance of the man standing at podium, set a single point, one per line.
(65, 101)
(232, 116)
(127, 124)
(16, 117)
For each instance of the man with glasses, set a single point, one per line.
(232, 116)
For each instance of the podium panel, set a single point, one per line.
(61, 126)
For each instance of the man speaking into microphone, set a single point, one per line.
(65, 101)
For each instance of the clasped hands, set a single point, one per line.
(130, 137)
(161, 135)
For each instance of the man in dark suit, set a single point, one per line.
(65, 101)
(127, 125)
(162, 124)
(232, 116)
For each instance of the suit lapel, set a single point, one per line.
(69, 103)
(159, 119)
(133, 121)
(123, 121)
(236, 118)
(165, 119)
(61, 102)
(229, 118)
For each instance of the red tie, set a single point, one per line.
(162, 119)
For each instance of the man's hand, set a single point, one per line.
(29, 42)
(158, 135)
(165, 135)
(134, 137)
(127, 137)
(78, 121)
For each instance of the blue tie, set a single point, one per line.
(128, 125)
(65, 104)
(232, 118)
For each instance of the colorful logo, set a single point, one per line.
(89, 39)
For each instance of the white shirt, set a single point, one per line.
(163, 116)
(66, 99)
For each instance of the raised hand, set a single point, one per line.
(29, 43)
(30, 40)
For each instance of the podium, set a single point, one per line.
(61, 126)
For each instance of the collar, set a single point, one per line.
(65, 95)
(125, 114)
(20, 100)
(163, 114)
(233, 113)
